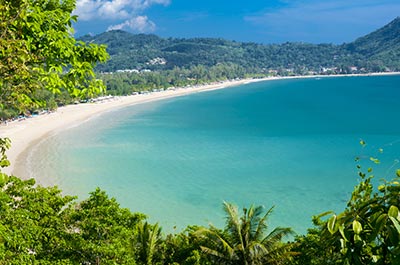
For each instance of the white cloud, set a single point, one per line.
(140, 24)
(86, 9)
(113, 9)
(147, 3)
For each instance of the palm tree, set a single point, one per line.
(147, 242)
(243, 240)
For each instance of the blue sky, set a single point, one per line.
(269, 21)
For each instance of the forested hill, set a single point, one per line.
(381, 45)
(378, 51)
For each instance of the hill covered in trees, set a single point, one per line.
(381, 47)
(375, 52)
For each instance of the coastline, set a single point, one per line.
(29, 132)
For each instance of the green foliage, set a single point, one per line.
(38, 52)
(368, 230)
(31, 226)
(101, 230)
(147, 242)
(126, 83)
(376, 52)
(184, 248)
(243, 241)
(381, 47)
(314, 249)
(5, 144)
(138, 51)
(40, 226)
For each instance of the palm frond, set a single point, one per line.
(217, 245)
(276, 235)
(148, 239)
(233, 222)
(262, 226)
(257, 252)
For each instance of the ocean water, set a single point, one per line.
(287, 143)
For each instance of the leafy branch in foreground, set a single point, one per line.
(38, 51)
(368, 231)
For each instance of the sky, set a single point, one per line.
(267, 21)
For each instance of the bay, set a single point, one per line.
(285, 143)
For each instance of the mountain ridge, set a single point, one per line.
(376, 51)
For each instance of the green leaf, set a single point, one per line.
(331, 224)
(3, 179)
(343, 248)
(357, 238)
(395, 223)
(398, 172)
(341, 230)
(379, 224)
(393, 211)
(357, 227)
(4, 163)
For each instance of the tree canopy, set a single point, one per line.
(243, 241)
(375, 52)
(39, 52)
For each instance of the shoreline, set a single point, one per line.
(29, 132)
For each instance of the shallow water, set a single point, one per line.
(288, 143)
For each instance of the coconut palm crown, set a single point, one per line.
(243, 241)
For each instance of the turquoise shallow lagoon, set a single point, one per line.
(288, 143)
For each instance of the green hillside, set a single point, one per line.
(383, 40)
(378, 51)
(381, 47)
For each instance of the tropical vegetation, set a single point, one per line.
(377, 51)
(39, 57)
(243, 241)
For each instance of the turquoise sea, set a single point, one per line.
(286, 143)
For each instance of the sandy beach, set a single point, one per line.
(26, 132)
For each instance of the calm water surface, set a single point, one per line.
(288, 143)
